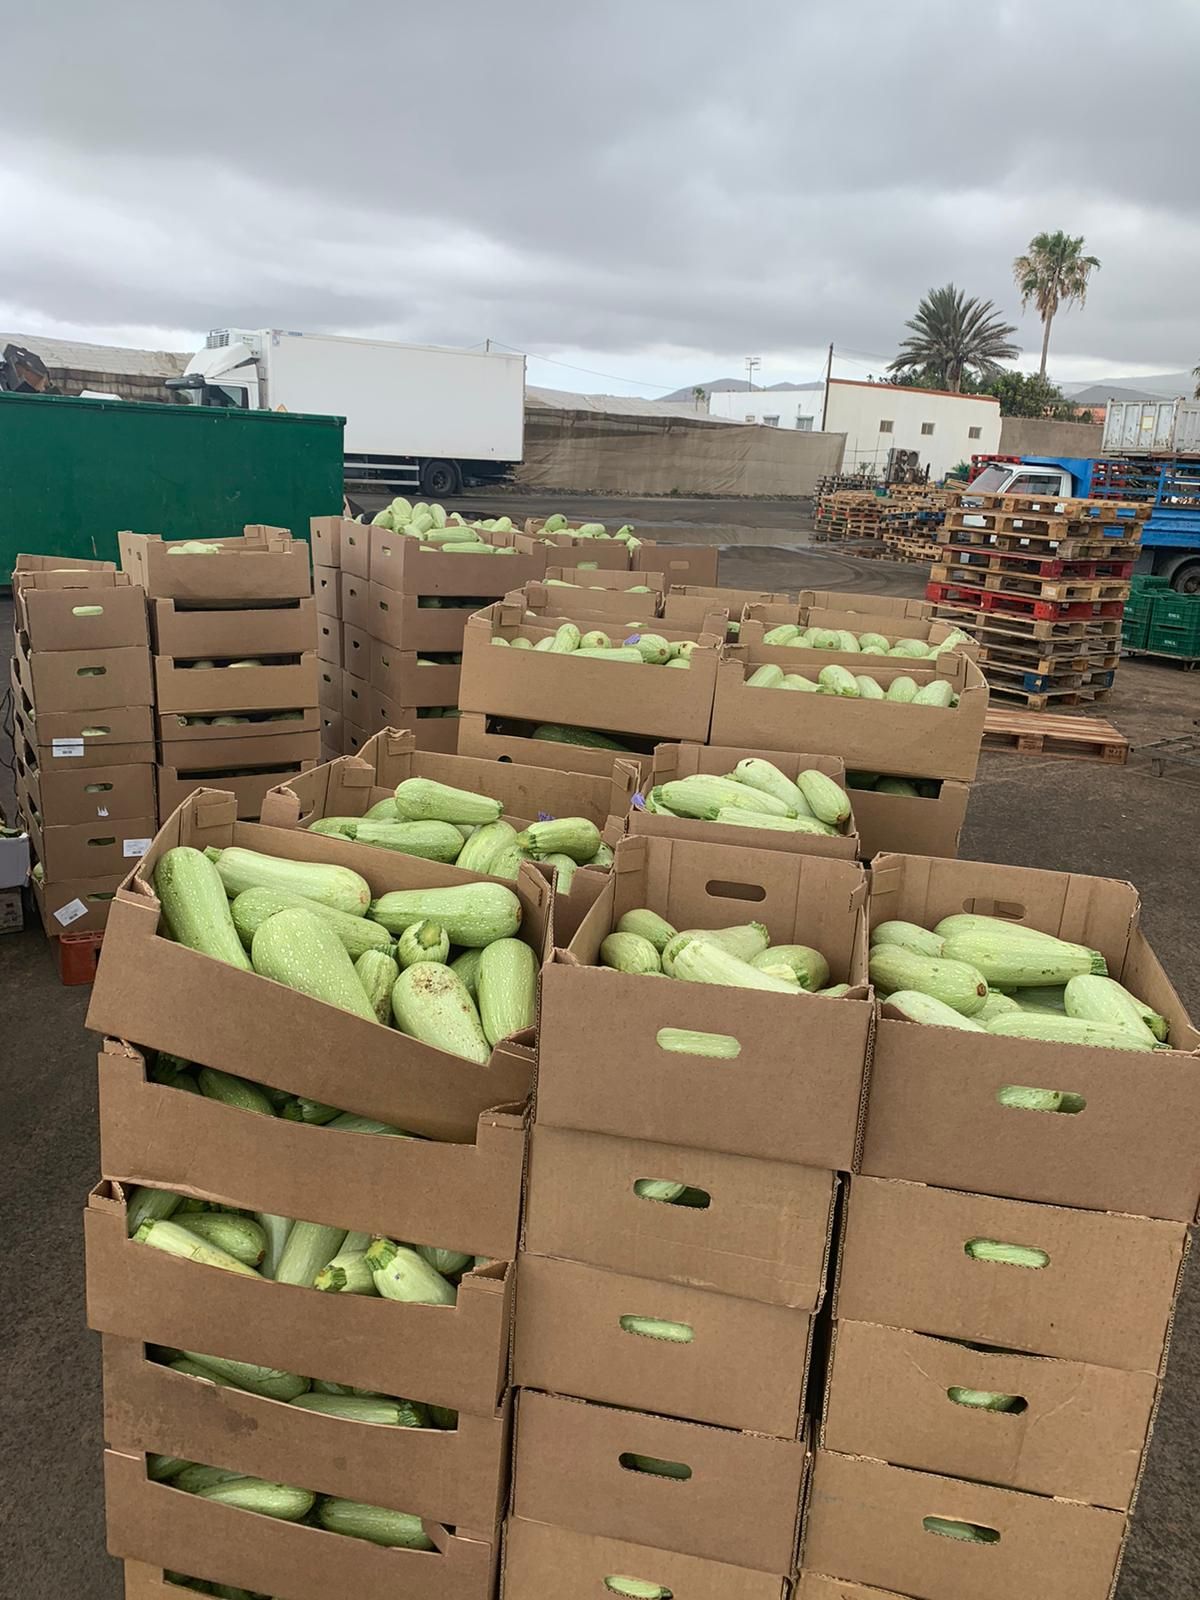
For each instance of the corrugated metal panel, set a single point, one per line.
(66, 353)
(1166, 427)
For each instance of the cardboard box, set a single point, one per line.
(687, 605)
(332, 735)
(329, 641)
(83, 680)
(261, 741)
(247, 788)
(681, 564)
(461, 1196)
(399, 565)
(406, 623)
(1079, 1433)
(599, 602)
(542, 1560)
(812, 1586)
(900, 607)
(160, 1527)
(867, 1520)
(356, 651)
(327, 591)
(583, 693)
(42, 563)
(282, 629)
(458, 1476)
(564, 550)
(261, 564)
(400, 677)
(454, 1356)
(762, 1235)
(78, 610)
(74, 905)
(1104, 1297)
(921, 826)
(356, 700)
(339, 542)
(277, 684)
(797, 1090)
(675, 761)
(758, 619)
(68, 794)
(329, 686)
(745, 1367)
(107, 736)
(741, 1504)
(275, 1035)
(354, 738)
(101, 849)
(934, 1115)
(356, 606)
(492, 739)
(875, 735)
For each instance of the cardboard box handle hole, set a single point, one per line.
(1008, 1405)
(967, 1532)
(1009, 1255)
(719, 889)
(655, 1466)
(620, 1583)
(1022, 1097)
(670, 1192)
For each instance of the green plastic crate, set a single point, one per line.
(1138, 608)
(1134, 632)
(1183, 642)
(1172, 610)
(1143, 581)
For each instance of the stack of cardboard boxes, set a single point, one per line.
(457, 1185)
(679, 1215)
(83, 733)
(235, 668)
(986, 1419)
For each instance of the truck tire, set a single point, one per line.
(1184, 576)
(439, 479)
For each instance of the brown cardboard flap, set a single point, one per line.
(260, 564)
(327, 590)
(461, 1196)
(764, 1234)
(812, 1586)
(280, 628)
(740, 1505)
(867, 1521)
(274, 1035)
(541, 1560)
(398, 563)
(273, 686)
(855, 601)
(248, 788)
(1104, 1297)
(917, 826)
(594, 600)
(458, 1476)
(165, 1528)
(794, 1091)
(355, 600)
(685, 564)
(746, 1366)
(453, 1356)
(674, 761)
(476, 738)
(1079, 1433)
(64, 564)
(58, 610)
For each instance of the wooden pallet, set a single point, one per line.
(1033, 658)
(1047, 699)
(1034, 564)
(1063, 590)
(1047, 734)
(1042, 505)
(1084, 543)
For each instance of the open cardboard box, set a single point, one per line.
(286, 627)
(78, 794)
(764, 1233)
(675, 761)
(600, 603)
(457, 1476)
(544, 687)
(340, 542)
(759, 619)
(796, 1092)
(71, 610)
(919, 825)
(541, 1560)
(104, 848)
(400, 676)
(260, 564)
(899, 607)
(746, 1366)
(406, 623)
(399, 564)
(452, 1355)
(933, 1114)
(681, 564)
(74, 905)
(43, 563)
(740, 1506)
(565, 550)
(83, 680)
(355, 600)
(327, 591)
(874, 735)
(868, 1520)
(163, 1528)
(479, 735)
(270, 1033)
(104, 737)
(460, 1196)
(264, 739)
(1104, 1296)
(247, 788)
(1079, 1435)
(270, 686)
(686, 605)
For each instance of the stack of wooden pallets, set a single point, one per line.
(1041, 584)
(911, 521)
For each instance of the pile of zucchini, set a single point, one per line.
(635, 649)
(756, 794)
(793, 636)
(742, 957)
(846, 685)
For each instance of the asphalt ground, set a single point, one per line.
(1079, 816)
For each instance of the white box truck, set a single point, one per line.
(417, 416)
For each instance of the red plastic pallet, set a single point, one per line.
(1035, 566)
(1024, 605)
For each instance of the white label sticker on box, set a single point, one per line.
(71, 912)
(66, 747)
(135, 847)
(101, 811)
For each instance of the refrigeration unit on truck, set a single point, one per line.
(417, 416)
(1152, 453)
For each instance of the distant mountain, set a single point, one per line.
(734, 386)
(1150, 386)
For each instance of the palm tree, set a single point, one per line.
(1196, 375)
(1053, 272)
(952, 336)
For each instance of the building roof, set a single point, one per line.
(908, 388)
(72, 356)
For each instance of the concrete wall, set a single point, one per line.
(962, 425)
(1037, 436)
(610, 454)
(125, 385)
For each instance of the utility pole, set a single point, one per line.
(752, 365)
(828, 377)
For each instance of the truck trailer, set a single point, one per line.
(417, 416)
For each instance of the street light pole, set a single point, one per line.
(752, 365)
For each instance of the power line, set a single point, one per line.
(613, 377)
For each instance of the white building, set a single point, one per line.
(876, 418)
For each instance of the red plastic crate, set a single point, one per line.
(77, 956)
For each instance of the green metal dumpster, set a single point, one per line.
(75, 472)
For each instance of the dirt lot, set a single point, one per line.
(1081, 816)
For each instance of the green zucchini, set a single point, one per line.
(310, 1246)
(431, 1003)
(393, 1529)
(629, 952)
(649, 925)
(809, 966)
(402, 1273)
(472, 914)
(269, 1382)
(278, 1500)
(572, 836)
(482, 848)
(466, 966)
(423, 800)
(956, 982)
(145, 1204)
(300, 950)
(431, 841)
(253, 906)
(377, 973)
(191, 893)
(422, 941)
(233, 1091)
(507, 989)
(332, 885)
(240, 1237)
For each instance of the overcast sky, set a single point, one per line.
(649, 189)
